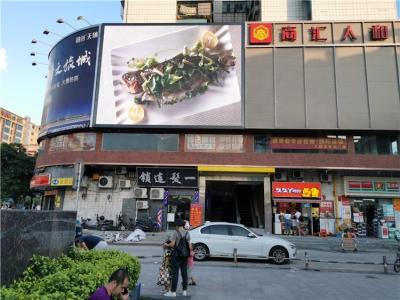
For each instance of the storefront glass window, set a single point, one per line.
(82, 141)
(377, 144)
(140, 142)
(221, 143)
(262, 144)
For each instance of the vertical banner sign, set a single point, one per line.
(195, 215)
(195, 198)
(165, 201)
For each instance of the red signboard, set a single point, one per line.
(195, 215)
(40, 180)
(296, 190)
(260, 33)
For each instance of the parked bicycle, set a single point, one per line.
(123, 224)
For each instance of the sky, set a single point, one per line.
(22, 86)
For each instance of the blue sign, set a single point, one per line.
(70, 83)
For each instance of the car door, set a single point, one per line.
(218, 240)
(246, 246)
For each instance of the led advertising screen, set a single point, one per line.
(71, 82)
(170, 76)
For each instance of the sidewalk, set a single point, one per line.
(302, 242)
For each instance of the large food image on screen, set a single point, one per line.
(159, 80)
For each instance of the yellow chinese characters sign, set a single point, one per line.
(63, 181)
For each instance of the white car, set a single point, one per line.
(219, 239)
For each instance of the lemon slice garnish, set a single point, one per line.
(209, 40)
(136, 113)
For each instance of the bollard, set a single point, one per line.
(306, 261)
(235, 255)
(385, 265)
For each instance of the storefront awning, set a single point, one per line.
(296, 200)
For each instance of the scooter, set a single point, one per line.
(103, 224)
(148, 225)
(123, 225)
(88, 223)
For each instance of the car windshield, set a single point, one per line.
(255, 233)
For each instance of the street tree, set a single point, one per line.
(17, 169)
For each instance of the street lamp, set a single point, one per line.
(35, 41)
(60, 21)
(46, 31)
(35, 63)
(38, 53)
(79, 18)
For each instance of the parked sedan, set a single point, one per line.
(219, 239)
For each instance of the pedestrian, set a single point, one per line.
(297, 215)
(191, 280)
(117, 286)
(89, 242)
(288, 222)
(165, 273)
(181, 246)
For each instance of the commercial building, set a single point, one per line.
(220, 11)
(16, 129)
(306, 117)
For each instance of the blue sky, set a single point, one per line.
(22, 86)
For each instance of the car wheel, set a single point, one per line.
(279, 255)
(200, 252)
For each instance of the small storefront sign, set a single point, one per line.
(260, 33)
(372, 186)
(296, 190)
(64, 181)
(195, 215)
(309, 143)
(326, 209)
(167, 177)
(41, 180)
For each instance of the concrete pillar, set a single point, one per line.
(267, 204)
(202, 195)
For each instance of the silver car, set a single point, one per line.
(220, 239)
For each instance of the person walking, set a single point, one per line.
(297, 215)
(288, 222)
(181, 245)
(117, 286)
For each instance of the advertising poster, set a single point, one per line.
(70, 82)
(195, 215)
(170, 75)
(326, 209)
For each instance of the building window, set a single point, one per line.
(218, 143)
(6, 130)
(5, 138)
(85, 141)
(18, 134)
(140, 142)
(377, 144)
(17, 140)
(7, 122)
(237, 11)
(58, 143)
(19, 127)
(262, 144)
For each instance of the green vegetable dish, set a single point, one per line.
(182, 77)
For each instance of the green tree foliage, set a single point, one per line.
(75, 276)
(16, 172)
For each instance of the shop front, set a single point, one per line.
(372, 205)
(290, 198)
(173, 194)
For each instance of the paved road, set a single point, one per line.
(222, 279)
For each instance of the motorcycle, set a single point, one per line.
(123, 225)
(396, 264)
(88, 223)
(149, 225)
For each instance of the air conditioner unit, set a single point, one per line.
(142, 204)
(325, 177)
(157, 193)
(297, 174)
(280, 176)
(125, 184)
(140, 193)
(120, 170)
(105, 182)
